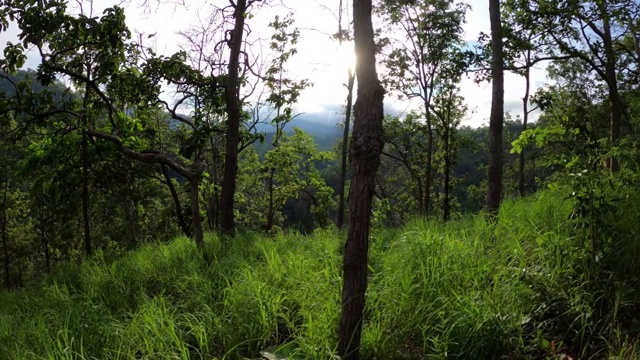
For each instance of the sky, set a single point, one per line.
(319, 59)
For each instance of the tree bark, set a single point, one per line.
(345, 147)
(234, 114)
(446, 207)
(366, 147)
(85, 194)
(429, 168)
(271, 210)
(494, 193)
(214, 203)
(196, 220)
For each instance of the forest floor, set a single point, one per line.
(525, 288)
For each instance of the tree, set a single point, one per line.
(524, 47)
(342, 36)
(395, 191)
(406, 143)
(234, 117)
(594, 33)
(291, 166)
(284, 92)
(366, 147)
(494, 193)
(450, 109)
(124, 86)
(431, 39)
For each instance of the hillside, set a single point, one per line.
(466, 290)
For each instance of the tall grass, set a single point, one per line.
(468, 289)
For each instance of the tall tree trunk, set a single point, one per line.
(366, 147)
(85, 194)
(234, 114)
(196, 220)
(525, 120)
(271, 210)
(494, 193)
(214, 208)
(182, 222)
(5, 245)
(419, 186)
(446, 207)
(612, 82)
(429, 167)
(345, 146)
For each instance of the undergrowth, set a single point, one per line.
(524, 288)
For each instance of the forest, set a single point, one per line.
(222, 222)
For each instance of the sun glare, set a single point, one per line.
(345, 57)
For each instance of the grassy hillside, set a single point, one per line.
(522, 289)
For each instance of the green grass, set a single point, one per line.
(522, 289)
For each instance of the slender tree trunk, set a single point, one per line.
(345, 146)
(214, 209)
(271, 210)
(85, 194)
(234, 113)
(612, 82)
(421, 210)
(446, 208)
(366, 147)
(196, 220)
(5, 245)
(429, 167)
(182, 222)
(494, 194)
(345, 134)
(525, 120)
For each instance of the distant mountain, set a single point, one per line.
(318, 125)
(7, 81)
(322, 127)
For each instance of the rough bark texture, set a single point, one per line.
(85, 195)
(366, 147)
(234, 114)
(494, 194)
(345, 147)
